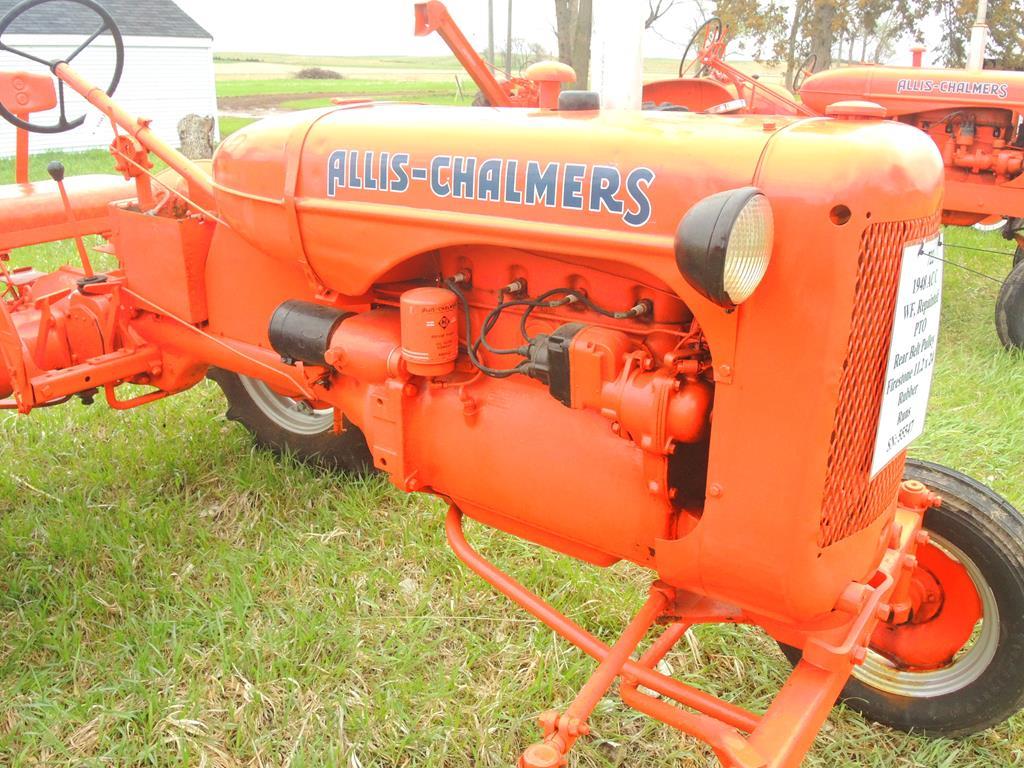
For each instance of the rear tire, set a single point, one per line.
(1010, 308)
(983, 686)
(289, 427)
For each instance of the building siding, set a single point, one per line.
(164, 79)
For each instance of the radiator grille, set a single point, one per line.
(852, 500)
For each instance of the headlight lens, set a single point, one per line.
(749, 249)
(724, 244)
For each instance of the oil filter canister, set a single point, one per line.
(430, 331)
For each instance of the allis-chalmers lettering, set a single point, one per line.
(963, 87)
(569, 186)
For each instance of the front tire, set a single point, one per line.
(288, 426)
(982, 685)
(1010, 308)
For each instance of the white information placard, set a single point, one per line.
(915, 334)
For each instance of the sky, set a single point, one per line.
(385, 27)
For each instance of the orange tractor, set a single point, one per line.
(641, 336)
(976, 120)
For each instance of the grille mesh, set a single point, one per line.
(852, 500)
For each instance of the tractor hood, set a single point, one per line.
(907, 90)
(352, 192)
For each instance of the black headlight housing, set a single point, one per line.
(724, 244)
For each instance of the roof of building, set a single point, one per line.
(135, 18)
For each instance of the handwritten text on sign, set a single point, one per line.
(915, 333)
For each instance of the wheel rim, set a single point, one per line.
(288, 413)
(967, 666)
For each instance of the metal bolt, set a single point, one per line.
(715, 490)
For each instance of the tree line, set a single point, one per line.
(835, 31)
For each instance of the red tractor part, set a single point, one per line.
(550, 77)
(974, 118)
(23, 94)
(516, 92)
(539, 87)
(706, 82)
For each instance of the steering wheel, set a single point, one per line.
(805, 70)
(108, 25)
(707, 34)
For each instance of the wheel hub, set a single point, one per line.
(952, 633)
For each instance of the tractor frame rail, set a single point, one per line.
(740, 739)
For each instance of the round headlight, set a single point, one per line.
(724, 244)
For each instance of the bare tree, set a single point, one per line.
(574, 24)
(490, 33)
(657, 9)
(508, 43)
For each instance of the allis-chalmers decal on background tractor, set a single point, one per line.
(698, 343)
(976, 120)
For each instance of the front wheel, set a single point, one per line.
(288, 426)
(1010, 307)
(955, 668)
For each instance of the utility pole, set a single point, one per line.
(617, 60)
(490, 33)
(979, 38)
(508, 44)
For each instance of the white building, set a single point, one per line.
(168, 68)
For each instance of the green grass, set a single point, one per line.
(75, 164)
(171, 596)
(234, 88)
(368, 62)
(442, 99)
(229, 125)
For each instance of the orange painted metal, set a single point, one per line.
(973, 118)
(164, 259)
(550, 76)
(430, 331)
(199, 182)
(781, 737)
(23, 93)
(434, 17)
(722, 83)
(765, 513)
(34, 213)
(945, 610)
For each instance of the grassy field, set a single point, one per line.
(170, 596)
(257, 96)
(256, 66)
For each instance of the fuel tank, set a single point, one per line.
(311, 186)
(907, 90)
(354, 191)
